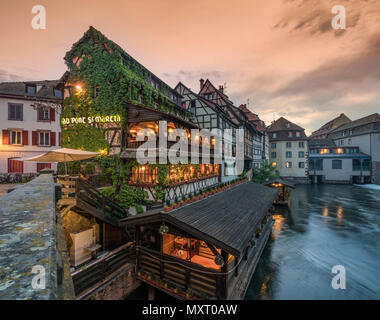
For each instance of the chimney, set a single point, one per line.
(201, 83)
(221, 89)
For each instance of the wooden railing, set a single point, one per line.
(85, 192)
(180, 273)
(98, 270)
(90, 199)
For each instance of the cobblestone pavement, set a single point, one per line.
(4, 188)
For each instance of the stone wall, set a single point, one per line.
(16, 177)
(119, 287)
(32, 236)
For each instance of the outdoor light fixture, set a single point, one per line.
(164, 229)
(219, 261)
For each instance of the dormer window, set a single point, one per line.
(274, 135)
(287, 125)
(208, 96)
(31, 89)
(58, 93)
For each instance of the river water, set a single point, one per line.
(326, 225)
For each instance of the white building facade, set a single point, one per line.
(29, 125)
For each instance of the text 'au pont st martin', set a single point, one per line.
(206, 309)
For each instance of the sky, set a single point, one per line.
(282, 55)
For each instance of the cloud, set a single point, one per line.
(6, 76)
(314, 17)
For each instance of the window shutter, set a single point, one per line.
(52, 138)
(25, 137)
(5, 137)
(39, 114)
(34, 138)
(52, 114)
(59, 139)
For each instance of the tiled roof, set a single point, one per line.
(327, 127)
(260, 126)
(46, 91)
(281, 125)
(375, 117)
(314, 143)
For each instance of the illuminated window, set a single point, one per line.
(288, 164)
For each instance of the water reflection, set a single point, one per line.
(327, 225)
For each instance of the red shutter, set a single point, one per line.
(52, 138)
(34, 138)
(59, 139)
(41, 166)
(15, 166)
(52, 114)
(39, 114)
(5, 137)
(25, 137)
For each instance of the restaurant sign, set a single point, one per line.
(89, 120)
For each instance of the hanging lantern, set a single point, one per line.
(219, 261)
(164, 229)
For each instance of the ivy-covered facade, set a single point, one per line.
(108, 98)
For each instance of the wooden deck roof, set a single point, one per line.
(227, 220)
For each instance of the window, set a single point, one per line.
(355, 165)
(208, 96)
(301, 154)
(274, 135)
(44, 138)
(319, 165)
(342, 142)
(15, 137)
(192, 106)
(298, 134)
(288, 144)
(30, 89)
(287, 125)
(349, 142)
(337, 164)
(58, 92)
(288, 164)
(273, 146)
(44, 114)
(301, 144)
(290, 134)
(301, 165)
(273, 155)
(288, 154)
(15, 111)
(366, 165)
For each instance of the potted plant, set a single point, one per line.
(167, 206)
(189, 293)
(258, 232)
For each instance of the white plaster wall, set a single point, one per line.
(30, 124)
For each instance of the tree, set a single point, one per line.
(265, 173)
